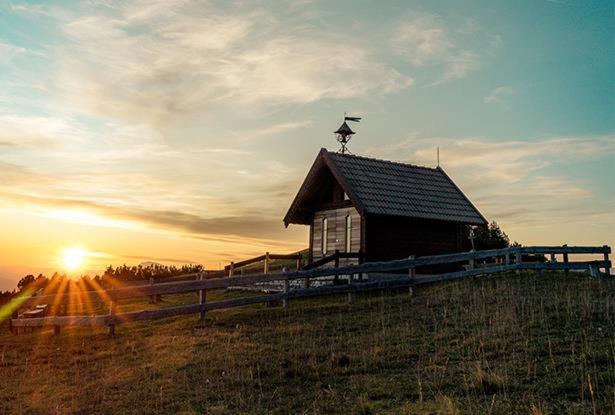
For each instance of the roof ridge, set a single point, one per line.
(399, 163)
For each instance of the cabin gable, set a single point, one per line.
(335, 229)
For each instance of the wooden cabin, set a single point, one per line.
(382, 209)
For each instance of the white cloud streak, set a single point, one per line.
(9, 51)
(509, 180)
(499, 95)
(153, 62)
(423, 40)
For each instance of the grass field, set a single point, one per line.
(528, 345)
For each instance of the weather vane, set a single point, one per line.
(344, 133)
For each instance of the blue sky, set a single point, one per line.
(190, 125)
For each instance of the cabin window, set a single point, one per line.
(348, 232)
(346, 196)
(325, 235)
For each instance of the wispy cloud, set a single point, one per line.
(511, 180)
(424, 40)
(37, 131)
(499, 95)
(505, 161)
(9, 51)
(156, 61)
(274, 129)
(236, 228)
(160, 259)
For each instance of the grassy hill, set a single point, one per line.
(528, 344)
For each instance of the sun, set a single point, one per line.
(73, 258)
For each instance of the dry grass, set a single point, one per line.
(496, 346)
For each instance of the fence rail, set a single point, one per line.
(266, 259)
(335, 258)
(511, 260)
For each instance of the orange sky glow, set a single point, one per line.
(179, 131)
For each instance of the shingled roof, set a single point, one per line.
(381, 187)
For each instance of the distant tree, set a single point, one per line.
(491, 237)
(5, 296)
(146, 271)
(25, 282)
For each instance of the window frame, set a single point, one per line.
(325, 236)
(348, 233)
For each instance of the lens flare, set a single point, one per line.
(73, 258)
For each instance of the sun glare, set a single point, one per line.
(73, 258)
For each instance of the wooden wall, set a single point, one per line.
(337, 231)
(389, 237)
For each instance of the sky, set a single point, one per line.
(179, 131)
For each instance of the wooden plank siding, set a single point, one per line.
(336, 223)
(394, 238)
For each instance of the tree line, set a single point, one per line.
(489, 237)
(60, 282)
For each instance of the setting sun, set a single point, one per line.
(73, 258)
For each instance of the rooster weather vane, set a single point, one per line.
(344, 133)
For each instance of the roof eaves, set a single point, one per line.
(485, 222)
(293, 206)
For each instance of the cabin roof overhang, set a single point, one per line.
(299, 213)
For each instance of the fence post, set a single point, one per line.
(61, 312)
(111, 326)
(14, 330)
(336, 265)
(306, 281)
(507, 258)
(594, 271)
(202, 295)
(266, 267)
(411, 275)
(553, 259)
(152, 298)
(231, 269)
(351, 293)
(518, 260)
(607, 270)
(471, 262)
(362, 275)
(565, 251)
(286, 290)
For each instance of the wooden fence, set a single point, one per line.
(265, 259)
(475, 263)
(335, 258)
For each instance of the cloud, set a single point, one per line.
(154, 62)
(460, 64)
(496, 40)
(274, 129)
(15, 176)
(9, 51)
(499, 94)
(230, 228)
(502, 160)
(423, 40)
(162, 260)
(510, 180)
(37, 131)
